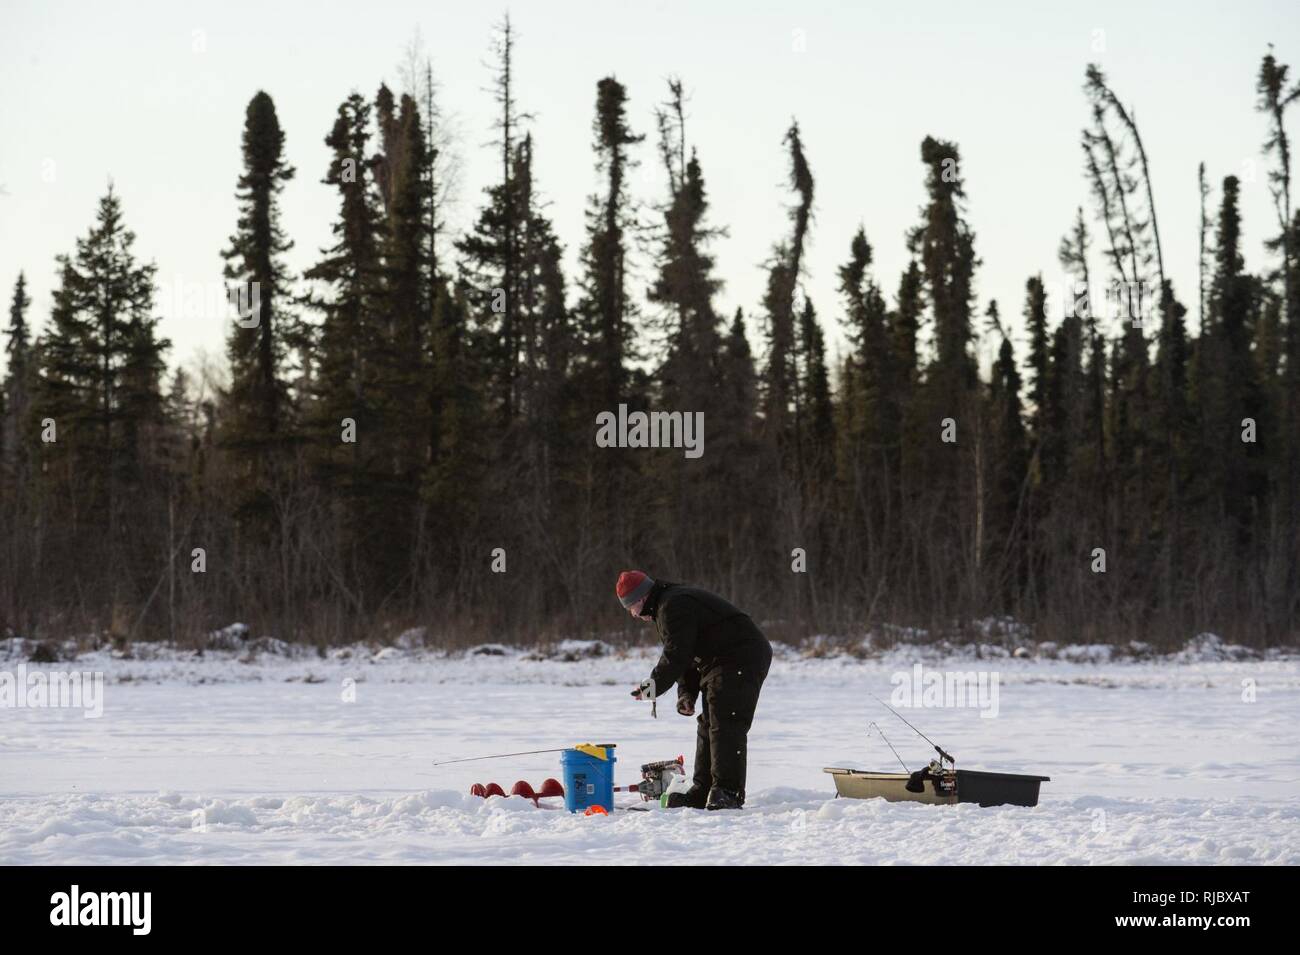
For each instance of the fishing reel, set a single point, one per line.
(943, 777)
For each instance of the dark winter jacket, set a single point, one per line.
(701, 633)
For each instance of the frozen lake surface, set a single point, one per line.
(275, 760)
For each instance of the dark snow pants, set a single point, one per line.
(729, 696)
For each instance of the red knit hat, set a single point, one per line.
(632, 587)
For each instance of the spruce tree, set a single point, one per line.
(684, 285)
(16, 434)
(1275, 98)
(254, 423)
(905, 324)
(15, 396)
(606, 308)
(350, 274)
(1006, 548)
(549, 345)
(100, 364)
(1140, 232)
(1073, 257)
(781, 374)
(947, 520)
(874, 417)
(945, 247)
(106, 358)
(1230, 390)
(1276, 95)
(1036, 321)
(491, 251)
(406, 308)
(816, 389)
(345, 417)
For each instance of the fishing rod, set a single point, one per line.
(937, 748)
(887, 743)
(471, 759)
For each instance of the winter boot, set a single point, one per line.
(693, 798)
(724, 799)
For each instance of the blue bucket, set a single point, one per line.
(588, 780)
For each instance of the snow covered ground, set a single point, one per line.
(267, 758)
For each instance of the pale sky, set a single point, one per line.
(152, 95)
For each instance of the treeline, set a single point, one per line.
(406, 435)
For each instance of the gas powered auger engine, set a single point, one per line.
(660, 778)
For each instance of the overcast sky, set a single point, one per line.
(152, 95)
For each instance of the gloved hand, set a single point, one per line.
(644, 691)
(685, 707)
